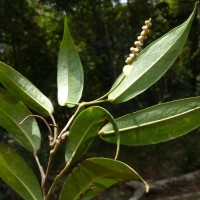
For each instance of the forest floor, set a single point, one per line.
(181, 190)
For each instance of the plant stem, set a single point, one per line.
(89, 103)
(40, 117)
(99, 100)
(41, 173)
(55, 129)
(83, 104)
(71, 120)
(52, 153)
(51, 137)
(56, 180)
(111, 90)
(60, 137)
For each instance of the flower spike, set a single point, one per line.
(139, 43)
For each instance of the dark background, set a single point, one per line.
(103, 31)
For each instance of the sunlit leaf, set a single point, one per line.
(152, 63)
(18, 175)
(93, 176)
(12, 112)
(24, 90)
(83, 131)
(156, 124)
(70, 71)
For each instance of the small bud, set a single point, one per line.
(144, 33)
(128, 60)
(138, 43)
(134, 50)
(132, 55)
(127, 70)
(50, 138)
(62, 137)
(144, 28)
(140, 38)
(148, 23)
(57, 141)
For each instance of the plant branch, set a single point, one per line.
(111, 90)
(41, 173)
(48, 167)
(64, 132)
(55, 130)
(71, 120)
(99, 100)
(42, 118)
(62, 135)
(58, 177)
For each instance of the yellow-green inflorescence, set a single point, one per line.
(139, 43)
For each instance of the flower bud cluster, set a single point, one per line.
(139, 43)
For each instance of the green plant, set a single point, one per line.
(152, 125)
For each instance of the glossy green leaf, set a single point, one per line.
(83, 131)
(24, 90)
(18, 175)
(93, 176)
(70, 71)
(152, 63)
(12, 112)
(156, 124)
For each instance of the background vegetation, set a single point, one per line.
(104, 30)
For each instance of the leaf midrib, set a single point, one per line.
(152, 122)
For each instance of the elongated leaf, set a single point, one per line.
(18, 175)
(93, 176)
(83, 131)
(12, 112)
(152, 63)
(70, 71)
(24, 90)
(156, 124)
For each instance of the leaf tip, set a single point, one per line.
(147, 187)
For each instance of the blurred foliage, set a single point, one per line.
(103, 31)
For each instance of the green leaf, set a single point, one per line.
(18, 175)
(24, 90)
(152, 63)
(83, 131)
(156, 124)
(93, 176)
(70, 71)
(12, 112)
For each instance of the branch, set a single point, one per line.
(43, 119)
(70, 120)
(58, 177)
(55, 130)
(41, 172)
